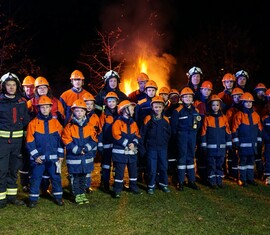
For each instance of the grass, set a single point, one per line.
(233, 210)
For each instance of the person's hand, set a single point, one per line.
(38, 160)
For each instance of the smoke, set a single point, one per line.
(145, 26)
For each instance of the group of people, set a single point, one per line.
(152, 132)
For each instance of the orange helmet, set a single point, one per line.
(237, 91)
(151, 84)
(186, 91)
(111, 94)
(44, 100)
(142, 77)
(123, 104)
(207, 84)
(76, 74)
(41, 81)
(247, 97)
(228, 77)
(241, 73)
(79, 103)
(174, 92)
(88, 97)
(267, 93)
(157, 99)
(164, 90)
(214, 98)
(28, 81)
(260, 86)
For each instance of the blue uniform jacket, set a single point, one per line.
(155, 133)
(43, 138)
(216, 135)
(77, 138)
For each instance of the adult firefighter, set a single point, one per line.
(13, 119)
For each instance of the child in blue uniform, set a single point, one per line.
(246, 132)
(79, 137)
(156, 132)
(44, 144)
(126, 137)
(216, 138)
(185, 122)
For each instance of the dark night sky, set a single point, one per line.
(59, 28)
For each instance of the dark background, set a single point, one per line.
(59, 29)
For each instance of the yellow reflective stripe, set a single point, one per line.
(15, 134)
(12, 191)
(3, 195)
(5, 134)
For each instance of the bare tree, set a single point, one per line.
(13, 48)
(101, 56)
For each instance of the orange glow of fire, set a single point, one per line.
(157, 68)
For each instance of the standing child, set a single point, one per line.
(125, 147)
(94, 119)
(105, 144)
(232, 155)
(216, 137)
(185, 122)
(156, 132)
(43, 142)
(246, 132)
(79, 137)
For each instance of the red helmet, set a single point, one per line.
(79, 103)
(186, 91)
(247, 97)
(123, 104)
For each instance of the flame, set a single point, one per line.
(157, 68)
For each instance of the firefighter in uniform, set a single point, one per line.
(185, 122)
(76, 92)
(13, 119)
(111, 84)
